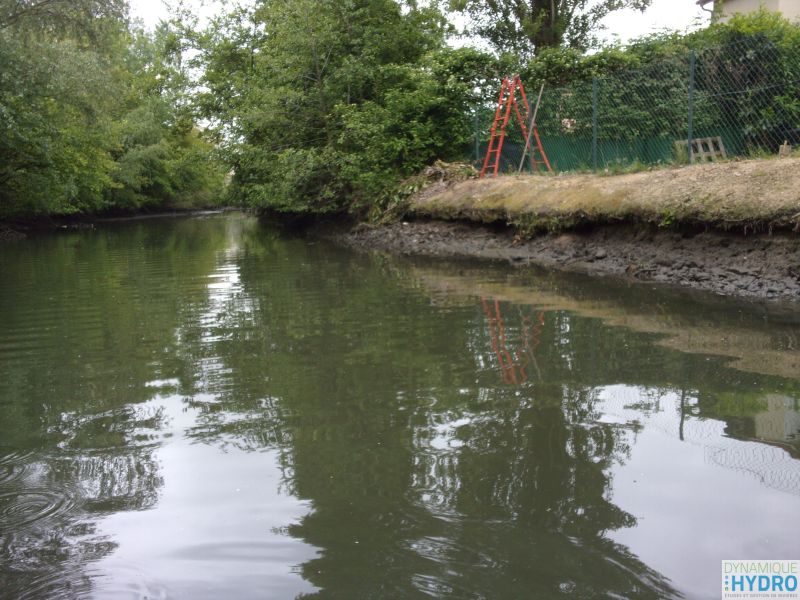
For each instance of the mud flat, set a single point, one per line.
(726, 263)
(728, 228)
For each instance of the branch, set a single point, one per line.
(21, 11)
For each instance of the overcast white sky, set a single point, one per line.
(625, 24)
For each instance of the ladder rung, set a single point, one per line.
(502, 116)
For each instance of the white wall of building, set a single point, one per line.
(790, 8)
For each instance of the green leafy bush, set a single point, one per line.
(94, 117)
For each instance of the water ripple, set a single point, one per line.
(23, 508)
(49, 584)
(127, 581)
(13, 465)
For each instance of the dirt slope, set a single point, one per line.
(748, 195)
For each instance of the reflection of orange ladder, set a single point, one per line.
(531, 338)
(497, 336)
(502, 115)
(513, 367)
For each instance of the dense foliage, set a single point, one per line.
(747, 86)
(93, 114)
(325, 105)
(525, 27)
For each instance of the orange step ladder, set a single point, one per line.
(502, 115)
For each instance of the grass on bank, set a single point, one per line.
(748, 195)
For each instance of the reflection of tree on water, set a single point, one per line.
(525, 490)
(51, 501)
(518, 507)
(355, 379)
(424, 471)
(78, 414)
(110, 457)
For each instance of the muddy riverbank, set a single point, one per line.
(731, 264)
(729, 228)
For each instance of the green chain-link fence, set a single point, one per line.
(744, 94)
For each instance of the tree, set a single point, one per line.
(94, 116)
(55, 130)
(60, 16)
(324, 105)
(161, 157)
(525, 27)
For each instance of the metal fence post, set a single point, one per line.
(477, 136)
(594, 123)
(692, 74)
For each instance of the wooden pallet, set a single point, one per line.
(706, 149)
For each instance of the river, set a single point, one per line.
(207, 407)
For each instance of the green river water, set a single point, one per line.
(206, 407)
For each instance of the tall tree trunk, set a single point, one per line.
(547, 34)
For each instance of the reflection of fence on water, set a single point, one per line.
(770, 464)
(759, 461)
(513, 364)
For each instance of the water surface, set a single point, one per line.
(209, 408)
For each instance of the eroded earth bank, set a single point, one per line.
(729, 229)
